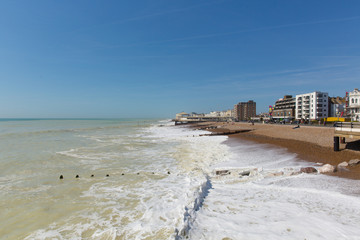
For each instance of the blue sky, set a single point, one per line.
(155, 58)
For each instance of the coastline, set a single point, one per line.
(312, 144)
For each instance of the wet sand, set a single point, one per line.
(310, 143)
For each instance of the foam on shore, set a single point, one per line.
(269, 205)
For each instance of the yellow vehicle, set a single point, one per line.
(337, 119)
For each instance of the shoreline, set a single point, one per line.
(311, 144)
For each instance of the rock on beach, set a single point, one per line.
(222, 172)
(354, 162)
(245, 173)
(327, 168)
(343, 165)
(308, 170)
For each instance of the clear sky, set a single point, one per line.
(154, 58)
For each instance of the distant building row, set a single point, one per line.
(316, 106)
(308, 107)
(241, 112)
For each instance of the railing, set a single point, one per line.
(347, 127)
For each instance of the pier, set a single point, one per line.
(345, 130)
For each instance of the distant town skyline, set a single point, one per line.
(153, 59)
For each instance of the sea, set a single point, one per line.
(149, 179)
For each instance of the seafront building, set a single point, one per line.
(226, 113)
(194, 114)
(284, 108)
(181, 115)
(353, 107)
(337, 106)
(244, 110)
(312, 106)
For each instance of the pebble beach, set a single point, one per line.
(310, 143)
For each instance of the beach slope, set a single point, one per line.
(310, 143)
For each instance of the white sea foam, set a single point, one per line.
(255, 211)
(276, 206)
(151, 203)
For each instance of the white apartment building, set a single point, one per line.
(312, 106)
(354, 105)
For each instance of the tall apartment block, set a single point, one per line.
(245, 110)
(312, 106)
